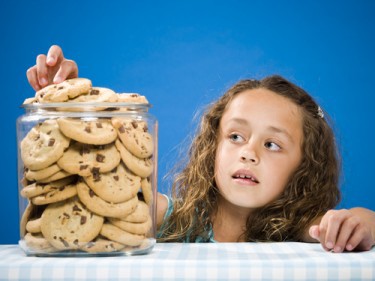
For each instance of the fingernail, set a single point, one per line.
(337, 249)
(50, 60)
(329, 245)
(57, 79)
(349, 247)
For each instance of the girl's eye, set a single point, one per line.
(236, 138)
(272, 146)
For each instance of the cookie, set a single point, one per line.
(55, 195)
(69, 224)
(33, 226)
(140, 214)
(118, 185)
(57, 176)
(64, 91)
(135, 136)
(25, 218)
(102, 245)
(36, 175)
(131, 98)
(121, 236)
(141, 228)
(38, 243)
(30, 100)
(31, 212)
(97, 132)
(36, 188)
(140, 167)
(43, 145)
(97, 94)
(147, 191)
(85, 160)
(102, 207)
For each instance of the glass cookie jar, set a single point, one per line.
(87, 176)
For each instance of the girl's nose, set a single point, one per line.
(249, 155)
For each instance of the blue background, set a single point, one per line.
(184, 54)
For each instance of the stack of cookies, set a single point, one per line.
(87, 180)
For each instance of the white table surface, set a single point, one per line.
(201, 261)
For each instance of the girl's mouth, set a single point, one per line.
(245, 176)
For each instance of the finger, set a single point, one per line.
(348, 227)
(360, 240)
(32, 78)
(314, 232)
(41, 70)
(54, 55)
(68, 69)
(322, 234)
(334, 222)
(323, 231)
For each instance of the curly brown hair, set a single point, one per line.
(311, 191)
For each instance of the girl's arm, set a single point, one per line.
(340, 230)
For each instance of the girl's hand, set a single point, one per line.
(51, 68)
(349, 230)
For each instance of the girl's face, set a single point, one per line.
(259, 147)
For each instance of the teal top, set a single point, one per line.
(187, 238)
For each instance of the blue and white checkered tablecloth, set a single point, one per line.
(212, 261)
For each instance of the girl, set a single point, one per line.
(263, 167)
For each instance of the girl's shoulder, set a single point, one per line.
(164, 208)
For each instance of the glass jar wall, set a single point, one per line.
(87, 178)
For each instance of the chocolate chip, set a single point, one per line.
(88, 129)
(116, 178)
(94, 92)
(76, 209)
(99, 125)
(121, 129)
(91, 193)
(83, 167)
(135, 125)
(95, 170)
(83, 219)
(96, 177)
(100, 158)
(51, 142)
